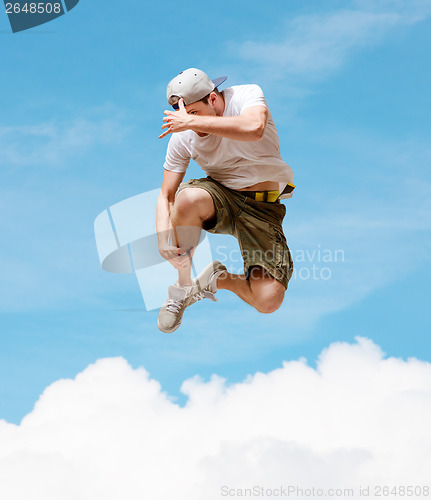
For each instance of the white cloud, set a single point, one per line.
(315, 45)
(358, 418)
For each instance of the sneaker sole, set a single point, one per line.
(166, 330)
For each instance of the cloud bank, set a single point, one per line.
(357, 419)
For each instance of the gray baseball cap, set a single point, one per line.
(192, 85)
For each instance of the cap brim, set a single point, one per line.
(219, 81)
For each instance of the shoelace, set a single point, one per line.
(204, 294)
(174, 305)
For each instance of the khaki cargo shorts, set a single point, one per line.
(257, 225)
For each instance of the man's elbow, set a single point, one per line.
(257, 132)
(260, 132)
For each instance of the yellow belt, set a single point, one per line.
(270, 196)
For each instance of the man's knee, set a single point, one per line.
(193, 202)
(268, 303)
(184, 202)
(270, 297)
(267, 291)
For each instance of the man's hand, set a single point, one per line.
(176, 121)
(176, 256)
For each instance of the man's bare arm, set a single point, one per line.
(171, 181)
(248, 126)
(165, 201)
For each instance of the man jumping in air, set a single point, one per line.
(232, 137)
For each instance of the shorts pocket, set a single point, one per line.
(281, 254)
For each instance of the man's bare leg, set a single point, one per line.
(261, 291)
(192, 207)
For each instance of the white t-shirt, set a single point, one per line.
(235, 164)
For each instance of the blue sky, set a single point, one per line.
(81, 105)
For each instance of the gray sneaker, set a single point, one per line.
(171, 313)
(206, 281)
(204, 287)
